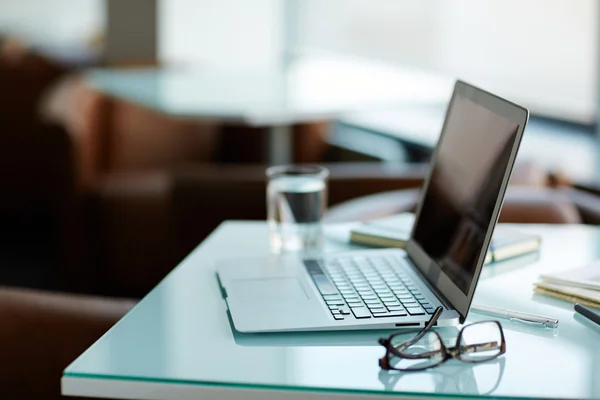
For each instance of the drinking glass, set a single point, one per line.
(296, 203)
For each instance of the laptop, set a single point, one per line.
(397, 288)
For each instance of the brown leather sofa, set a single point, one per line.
(112, 135)
(41, 333)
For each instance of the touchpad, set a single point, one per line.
(272, 290)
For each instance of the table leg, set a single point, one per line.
(280, 144)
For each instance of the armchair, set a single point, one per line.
(42, 332)
(36, 172)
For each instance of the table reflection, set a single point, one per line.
(452, 377)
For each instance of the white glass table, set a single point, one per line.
(177, 343)
(305, 90)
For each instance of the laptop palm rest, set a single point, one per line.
(269, 290)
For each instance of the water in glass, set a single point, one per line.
(296, 204)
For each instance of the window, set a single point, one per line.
(56, 23)
(542, 53)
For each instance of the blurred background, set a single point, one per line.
(129, 128)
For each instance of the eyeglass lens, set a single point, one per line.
(479, 342)
(426, 352)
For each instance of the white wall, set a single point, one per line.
(225, 33)
(52, 22)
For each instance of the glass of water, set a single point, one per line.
(296, 202)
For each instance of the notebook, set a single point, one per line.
(580, 285)
(571, 294)
(587, 277)
(394, 231)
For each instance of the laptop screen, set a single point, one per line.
(457, 209)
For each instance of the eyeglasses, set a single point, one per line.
(419, 350)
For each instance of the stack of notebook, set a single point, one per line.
(394, 231)
(581, 285)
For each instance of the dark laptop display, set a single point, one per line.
(458, 207)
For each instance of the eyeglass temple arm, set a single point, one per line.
(426, 328)
(473, 348)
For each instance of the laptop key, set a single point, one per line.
(361, 285)
(324, 285)
(338, 317)
(395, 308)
(344, 310)
(367, 290)
(379, 286)
(356, 305)
(361, 312)
(379, 311)
(375, 306)
(370, 297)
(429, 310)
(397, 313)
(415, 310)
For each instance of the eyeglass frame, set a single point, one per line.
(447, 352)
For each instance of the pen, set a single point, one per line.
(516, 316)
(593, 316)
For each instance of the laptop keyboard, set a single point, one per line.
(367, 287)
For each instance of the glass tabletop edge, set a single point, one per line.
(289, 388)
